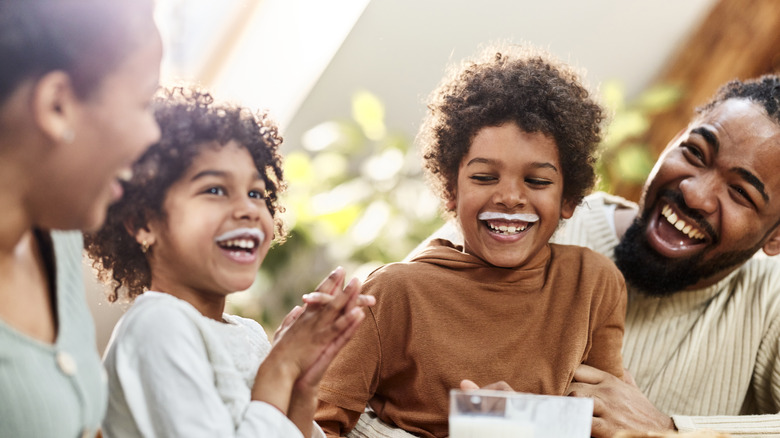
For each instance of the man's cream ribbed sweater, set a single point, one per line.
(709, 357)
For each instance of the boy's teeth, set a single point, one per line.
(504, 229)
(680, 224)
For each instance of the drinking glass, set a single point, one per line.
(483, 413)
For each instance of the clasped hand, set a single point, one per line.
(327, 320)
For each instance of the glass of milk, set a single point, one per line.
(504, 414)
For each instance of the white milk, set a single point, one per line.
(474, 426)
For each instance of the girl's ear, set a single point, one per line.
(54, 106)
(143, 235)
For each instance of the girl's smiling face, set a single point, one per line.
(509, 195)
(216, 229)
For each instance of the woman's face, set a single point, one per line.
(112, 127)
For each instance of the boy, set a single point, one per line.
(508, 145)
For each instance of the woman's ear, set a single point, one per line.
(54, 105)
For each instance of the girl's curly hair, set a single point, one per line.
(510, 83)
(189, 119)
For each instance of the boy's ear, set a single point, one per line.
(567, 209)
(451, 204)
(772, 246)
(54, 106)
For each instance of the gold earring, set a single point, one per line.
(145, 247)
(68, 135)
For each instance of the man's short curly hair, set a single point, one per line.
(764, 90)
(189, 120)
(511, 83)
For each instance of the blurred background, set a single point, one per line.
(347, 81)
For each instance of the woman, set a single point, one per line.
(76, 79)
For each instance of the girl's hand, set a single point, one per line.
(318, 298)
(287, 322)
(306, 334)
(303, 401)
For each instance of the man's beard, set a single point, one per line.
(653, 274)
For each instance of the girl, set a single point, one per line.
(197, 221)
(76, 80)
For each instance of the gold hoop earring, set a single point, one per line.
(145, 247)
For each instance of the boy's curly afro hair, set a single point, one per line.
(510, 83)
(189, 119)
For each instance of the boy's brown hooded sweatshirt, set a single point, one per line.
(448, 316)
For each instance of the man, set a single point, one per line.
(702, 334)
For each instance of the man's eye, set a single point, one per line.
(742, 193)
(694, 152)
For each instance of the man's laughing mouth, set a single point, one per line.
(681, 225)
(675, 230)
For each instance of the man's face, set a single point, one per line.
(712, 200)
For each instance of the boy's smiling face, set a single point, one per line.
(509, 195)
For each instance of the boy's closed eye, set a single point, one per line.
(483, 178)
(538, 182)
(486, 179)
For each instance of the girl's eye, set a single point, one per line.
(257, 194)
(217, 191)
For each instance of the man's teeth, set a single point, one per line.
(504, 229)
(680, 224)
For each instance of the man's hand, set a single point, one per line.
(617, 404)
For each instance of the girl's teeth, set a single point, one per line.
(240, 243)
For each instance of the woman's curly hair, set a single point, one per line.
(510, 83)
(189, 119)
